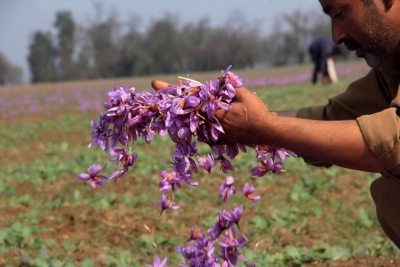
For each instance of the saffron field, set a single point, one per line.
(306, 216)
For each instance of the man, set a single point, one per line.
(358, 129)
(321, 50)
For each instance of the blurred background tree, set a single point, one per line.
(107, 47)
(9, 74)
(65, 26)
(42, 58)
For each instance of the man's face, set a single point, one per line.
(364, 29)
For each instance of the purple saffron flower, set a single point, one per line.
(169, 180)
(122, 156)
(220, 226)
(93, 176)
(158, 263)
(282, 153)
(117, 174)
(166, 203)
(229, 247)
(119, 137)
(248, 192)
(194, 123)
(192, 101)
(271, 159)
(259, 171)
(234, 216)
(216, 128)
(195, 234)
(227, 189)
(218, 149)
(181, 164)
(207, 163)
(100, 133)
(226, 165)
(232, 150)
(232, 78)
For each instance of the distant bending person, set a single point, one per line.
(323, 51)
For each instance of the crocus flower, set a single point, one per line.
(117, 174)
(119, 137)
(233, 79)
(248, 192)
(226, 165)
(206, 163)
(166, 203)
(93, 176)
(220, 226)
(158, 263)
(259, 171)
(234, 216)
(229, 247)
(195, 234)
(174, 178)
(200, 253)
(227, 189)
(271, 159)
(232, 150)
(121, 156)
(100, 133)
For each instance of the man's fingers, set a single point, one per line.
(221, 114)
(159, 85)
(241, 93)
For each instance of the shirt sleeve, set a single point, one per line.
(362, 97)
(381, 134)
(372, 103)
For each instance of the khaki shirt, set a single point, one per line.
(374, 101)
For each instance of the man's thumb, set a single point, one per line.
(159, 85)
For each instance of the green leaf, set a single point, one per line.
(158, 238)
(366, 218)
(292, 252)
(40, 262)
(146, 240)
(125, 256)
(261, 223)
(63, 147)
(87, 263)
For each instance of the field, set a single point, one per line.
(307, 216)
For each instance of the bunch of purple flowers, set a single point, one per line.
(200, 252)
(187, 113)
(184, 112)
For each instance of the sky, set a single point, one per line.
(19, 19)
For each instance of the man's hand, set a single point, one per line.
(243, 123)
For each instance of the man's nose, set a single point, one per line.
(338, 34)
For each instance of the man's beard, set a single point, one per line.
(378, 40)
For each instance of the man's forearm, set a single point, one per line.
(336, 142)
(287, 113)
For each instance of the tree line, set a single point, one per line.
(107, 47)
(9, 74)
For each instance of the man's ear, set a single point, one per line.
(388, 4)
